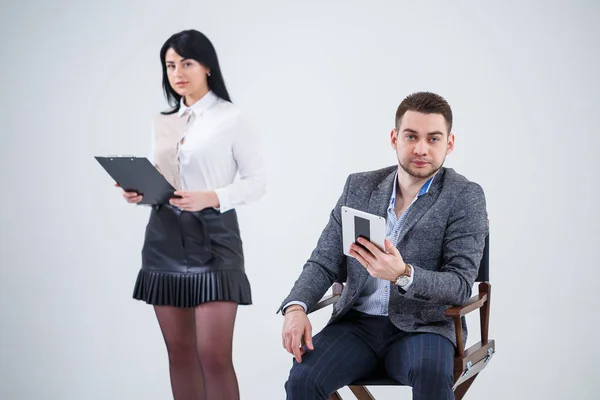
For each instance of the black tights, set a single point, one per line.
(199, 342)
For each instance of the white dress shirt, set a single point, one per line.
(219, 142)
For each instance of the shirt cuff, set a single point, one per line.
(224, 203)
(292, 303)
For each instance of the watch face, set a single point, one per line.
(402, 281)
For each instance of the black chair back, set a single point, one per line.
(484, 266)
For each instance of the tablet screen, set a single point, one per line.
(362, 228)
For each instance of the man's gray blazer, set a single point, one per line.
(443, 238)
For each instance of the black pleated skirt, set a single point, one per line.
(190, 258)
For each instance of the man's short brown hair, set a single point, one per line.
(426, 103)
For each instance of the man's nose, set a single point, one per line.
(421, 148)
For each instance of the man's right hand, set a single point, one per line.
(296, 329)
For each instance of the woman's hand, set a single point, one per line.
(131, 197)
(194, 201)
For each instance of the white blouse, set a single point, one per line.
(219, 142)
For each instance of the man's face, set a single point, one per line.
(422, 142)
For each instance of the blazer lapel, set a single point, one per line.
(416, 211)
(380, 197)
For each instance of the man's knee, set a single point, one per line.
(432, 371)
(303, 382)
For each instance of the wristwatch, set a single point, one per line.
(404, 279)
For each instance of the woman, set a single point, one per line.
(192, 259)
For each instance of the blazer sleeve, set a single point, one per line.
(464, 243)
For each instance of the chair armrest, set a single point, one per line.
(481, 302)
(473, 304)
(325, 301)
(336, 292)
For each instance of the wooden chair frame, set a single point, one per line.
(467, 363)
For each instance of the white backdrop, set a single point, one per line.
(323, 79)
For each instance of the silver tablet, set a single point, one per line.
(356, 223)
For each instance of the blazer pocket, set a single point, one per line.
(432, 314)
(421, 297)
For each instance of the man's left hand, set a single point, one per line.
(194, 201)
(387, 265)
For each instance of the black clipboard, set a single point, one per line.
(137, 174)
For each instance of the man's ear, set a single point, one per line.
(394, 138)
(450, 143)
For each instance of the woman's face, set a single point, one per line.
(186, 76)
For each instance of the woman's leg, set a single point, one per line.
(178, 329)
(214, 336)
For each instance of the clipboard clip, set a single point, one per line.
(111, 156)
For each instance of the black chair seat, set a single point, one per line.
(376, 382)
(378, 377)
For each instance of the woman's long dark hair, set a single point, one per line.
(194, 45)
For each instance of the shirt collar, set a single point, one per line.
(424, 189)
(198, 107)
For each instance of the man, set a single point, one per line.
(391, 311)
